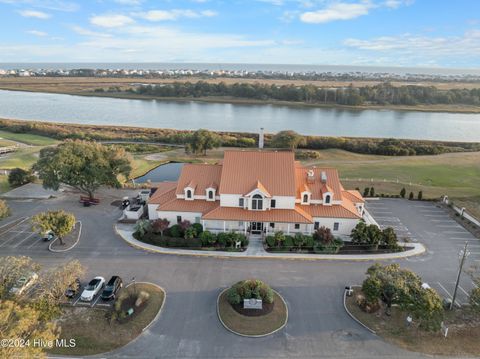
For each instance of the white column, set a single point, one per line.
(245, 228)
(203, 225)
(224, 230)
(288, 228)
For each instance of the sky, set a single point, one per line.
(411, 33)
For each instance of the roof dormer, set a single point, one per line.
(189, 191)
(210, 193)
(305, 197)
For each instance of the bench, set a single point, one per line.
(87, 201)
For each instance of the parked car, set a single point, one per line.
(23, 283)
(73, 288)
(92, 289)
(112, 287)
(49, 236)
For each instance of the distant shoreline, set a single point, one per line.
(245, 101)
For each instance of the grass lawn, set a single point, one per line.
(94, 334)
(462, 339)
(141, 165)
(24, 158)
(4, 186)
(261, 325)
(29, 139)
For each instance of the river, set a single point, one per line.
(240, 117)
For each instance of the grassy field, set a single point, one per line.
(94, 334)
(29, 139)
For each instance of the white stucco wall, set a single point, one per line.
(171, 216)
(345, 225)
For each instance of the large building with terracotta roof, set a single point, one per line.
(257, 193)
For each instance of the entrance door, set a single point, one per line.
(256, 227)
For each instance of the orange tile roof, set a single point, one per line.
(165, 191)
(262, 188)
(199, 176)
(242, 169)
(333, 182)
(296, 215)
(353, 195)
(181, 205)
(344, 210)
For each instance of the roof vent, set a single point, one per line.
(310, 176)
(323, 177)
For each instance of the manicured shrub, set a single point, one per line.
(299, 240)
(190, 233)
(288, 243)
(309, 241)
(222, 239)
(420, 195)
(372, 192)
(176, 231)
(248, 289)
(184, 225)
(403, 192)
(19, 177)
(279, 238)
(208, 238)
(324, 235)
(366, 192)
(410, 196)
(198, 228)
(270, 241)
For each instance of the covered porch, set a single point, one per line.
(254, 228)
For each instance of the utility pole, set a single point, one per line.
(464, 254)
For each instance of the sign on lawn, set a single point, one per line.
(252, 303)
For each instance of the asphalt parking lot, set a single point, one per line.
(22, 236)
(443, 237)
(189, 328)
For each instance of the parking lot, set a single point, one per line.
(21, 236)
(443, 237)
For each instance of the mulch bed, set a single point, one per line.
(266, 308)
(69, 240)
(127, 303)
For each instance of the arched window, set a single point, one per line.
(305, 198)
(189, 193)
(327, 199)
(210, 194)
(257, 202)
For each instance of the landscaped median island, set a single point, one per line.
(251, 308)
(364, 239)
(186, 235)
(396, 305)
(98, 330)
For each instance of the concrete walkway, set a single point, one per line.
(255, 250)
(31, 191)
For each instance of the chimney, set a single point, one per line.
(323, 177)
(310, 176)
(260, 138)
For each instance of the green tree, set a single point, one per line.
(410, 196)
(21, 321)
(59, 222)
(389, 237)
(12, 268)
(366, 192)
(288, 139)
(83, 165)
(475, 298)
(372, 192)
(403, 192)
(19, 177)
(323, 235)
(201, 141)
(279, 238)
(4, 209)
(420, 195)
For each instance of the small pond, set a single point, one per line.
(167, 172)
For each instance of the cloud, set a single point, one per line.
(57, 5)
(86, 32)
(37, 33)
(175, 14)
(129, 2)
(337, 11)
(395, 4)
(35, 14)
(111, 21)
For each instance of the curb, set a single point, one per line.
(74, 244)
(246, 335)
(351, 315)
(331, 257)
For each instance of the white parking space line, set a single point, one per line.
(76, 301)
(464, 291)
(39, 240)
(10, 239)
(96, 300)
(448, 293)
(23, 240)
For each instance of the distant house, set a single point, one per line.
(256, 193)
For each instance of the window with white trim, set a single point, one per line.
(273, 203)
(210, 194)
(327, 199)
(241, 202)
(336, 226)
(189, 193)
(257, 202)
(297, 225)
(316, 225)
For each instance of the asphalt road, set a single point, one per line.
(188, 327)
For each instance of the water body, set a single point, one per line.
(167, 172)
(239, 117)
